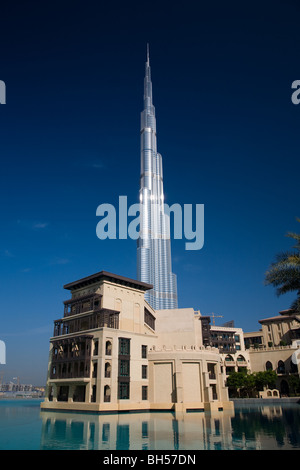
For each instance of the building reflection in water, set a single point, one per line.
(264, 427)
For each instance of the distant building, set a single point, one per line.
(276, 347)
(229, 340)
(111, 351)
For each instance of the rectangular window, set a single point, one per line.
(149, 319)
(144, 351)
(144, 392)
(144, 372)
(124, 346)
(124, 368)
(123, 391)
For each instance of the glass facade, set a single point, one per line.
(154, 245)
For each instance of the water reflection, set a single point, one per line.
(269, 426)
(266, 427)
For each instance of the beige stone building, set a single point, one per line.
(276, 347)
(111, 351)
(231, 345)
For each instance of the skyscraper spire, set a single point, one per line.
(154, 246)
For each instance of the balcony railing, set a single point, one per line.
(84, 374)
(85, 303)
(71, 357)
(98, 319)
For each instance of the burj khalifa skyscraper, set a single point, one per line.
(154, 245)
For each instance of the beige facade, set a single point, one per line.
(235, 357)
(112, 352)
(182, 368)
(276, 347)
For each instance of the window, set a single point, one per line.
(144, 392)
(144, 372)
(228, 358)
(124, 368)
(107, 393)
(269, 366)
(149, 319)
(124, 346)
(123, 391)
(281, 367)
(211, 370)
(108, 348)
(144, 351)
(93, 396)
(107, 370)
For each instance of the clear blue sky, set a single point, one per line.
(69, 141)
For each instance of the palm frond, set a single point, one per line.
(284, 272)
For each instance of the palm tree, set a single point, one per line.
(284, 273)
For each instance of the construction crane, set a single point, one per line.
(214, 316)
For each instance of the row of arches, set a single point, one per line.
(280, 367)
(108, 348)
(230, 358)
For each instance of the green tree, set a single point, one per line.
(249, 385)
(235, 382)
(294, 383)
(246, 383)
(284, 272)
(241, 383)
(265, 379)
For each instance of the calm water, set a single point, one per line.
(24, 426)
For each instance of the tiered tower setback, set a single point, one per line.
(154, 246)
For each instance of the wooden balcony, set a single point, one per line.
(85, 303)
(86, 321)
(71, 357)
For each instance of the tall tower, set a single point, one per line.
(154, 246)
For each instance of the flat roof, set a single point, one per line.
(106, 276)
(278, 318)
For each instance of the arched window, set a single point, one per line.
(281, 367)
(107, 369)
(108, 348)
(229, 358)
(269, 365)
(241, 358)
(107, 393)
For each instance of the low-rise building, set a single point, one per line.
(276, 347)
(112, 352)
